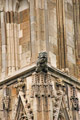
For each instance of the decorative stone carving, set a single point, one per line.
(23, 117)
(60, 84)
(6, 103)
(74, 99)
(60, 91)
(42, 86)
(20, 84)
(27, 113)
(42, 63)
(57, 104)
(61, 115)
(6, 98)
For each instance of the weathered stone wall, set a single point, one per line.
(31, 27)
(63, 38)
(70, 41)
(0, 42)
(17, 21)
(28, 27)
(52, 23)
(24, 36)
(77, 31)
(0, 50)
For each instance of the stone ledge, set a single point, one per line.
(66, 78)
(22, 73)
(27, 71)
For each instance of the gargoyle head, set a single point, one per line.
(42, 55)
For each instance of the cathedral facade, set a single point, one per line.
(39, 60)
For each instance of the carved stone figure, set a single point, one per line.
(6, 103)
(74, 99)
(42, 63)
(75, 104)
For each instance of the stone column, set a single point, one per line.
(76, 33)
(39, 26)
(8, 37)
(4, 46)
(61, 34)
(42, 24)
(12, 45)
(16, 40)
(34, 46)
(12, 37)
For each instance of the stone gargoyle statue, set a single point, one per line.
(42, 62)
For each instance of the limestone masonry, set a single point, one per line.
(39, 59)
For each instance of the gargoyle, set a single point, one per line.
(42, 63)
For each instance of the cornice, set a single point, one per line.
(57, 73)
(29, 70)
(22, 73)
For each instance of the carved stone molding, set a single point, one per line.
(42, 86)
(27, 113)
(20, 84)
(60, 84)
